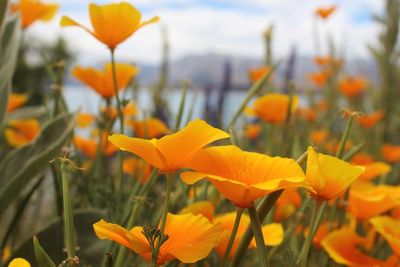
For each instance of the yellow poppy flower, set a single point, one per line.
(21, 132)
(328, 176)
(190, 238)
(342, 246)
(33, 10)
(241, 176)
(102, 81)
(19, 262)
(112, 23)
(205, 208)
(273, 107)
(173, 151)
(389, 228)
(149, 128)
(15, 101)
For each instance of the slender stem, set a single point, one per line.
(344, 138)
(316, 217)
(170, 180)
(239, 212)
(256, 225)
(181, 105)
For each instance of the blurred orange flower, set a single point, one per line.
(257, 73)
(362, 159)
(137, 167)
(389, 228)
(21, 132)
(352, 86)
(102, 81)
(190, 238)
(287, 203)
(327, 61)
(370, 120)
(205, 208)
(319, 78)
(323, 105)
(129, 109)
(83, 120)
(325, 12)
(33, 10)
(273, 107)
(149, 128)
(253, 131)
(241, 176)
(273, 233)
(322, 232)
(374, 169)
(15, 101)
(329, 177)
(342, 246)
(307, 114)
(317, 137)
(173, 151)
(107, 18)
(391, 153)
(89, 146)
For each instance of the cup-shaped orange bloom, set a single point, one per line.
(241, 176)
(389, 228)
(391, 153)
(138, 168)
(253, 131)
(370, 120)
(205, 208)
(191, 238)
(15, 101)
(317, 137)
(319, 78)
(83, 120)
(112, 23)
(325, 12)
(352, 86)
(102, 81)
(257, 74)
(19, 262)
(149, 128)
(342, 246)
(369, 201)
(273, 108)
(328, 176)
(173, 151)
(287, 203)
(273, 233)
(374, 170)
(21, 132)
(33, 10)
(89, 146)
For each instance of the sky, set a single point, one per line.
(229, 27)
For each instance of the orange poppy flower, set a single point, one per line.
(325, 12)
(389, 228)
(375, 169)
(205, 208)
(149, 128)
(107, 18)
(253, 131)
(138, 167)
(329, 177)
(327, 61)
(317, 137)
(19, 262)
(102, 81)
(89, 146)
(33, 10)
(190, 238)
(21, 132)
(322, 232)
(323, 105)
(342, 246)
(362, 159)
(241, 176)
(391, 153)
(257, 73)
(173, 151)
(15, 101)
(370, 120)
(319, 78)
(129, 109)
(273, 233)
(287, 204)
(368, 202)
(83, 120)
(352, 86)
(307, 114)
(273, 108)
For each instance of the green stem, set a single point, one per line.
(181, 106)
(256, 225)
(170, 180)
(239, 212)
(316, 217)
(344, 138)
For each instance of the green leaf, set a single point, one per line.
(26, 112)
(22, 165)
(42, 259)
